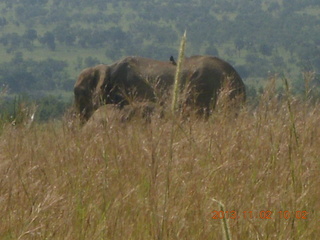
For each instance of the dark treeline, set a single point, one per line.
(21, 75)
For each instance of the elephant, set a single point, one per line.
(143, 79)
(112, 113)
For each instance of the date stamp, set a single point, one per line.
(259, 214)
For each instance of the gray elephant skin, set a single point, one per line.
(144, 79)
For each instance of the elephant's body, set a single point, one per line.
(144, 79)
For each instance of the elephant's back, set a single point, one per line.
(209, 62)
(146, 69)
(213, 72)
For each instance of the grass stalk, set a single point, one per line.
(224, 222)
(174, 107)
(295, 171)
(308, 77)
(177, 78)
(292, 118)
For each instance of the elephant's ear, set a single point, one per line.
(102, 79)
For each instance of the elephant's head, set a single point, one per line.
(89, 90)
(94, 88)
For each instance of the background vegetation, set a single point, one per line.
(45, 44)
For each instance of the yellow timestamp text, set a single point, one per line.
(263, 214)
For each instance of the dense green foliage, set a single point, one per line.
(22, 108)
(45, 43)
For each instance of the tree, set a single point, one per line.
(49, 40)
(31, 35)
(65, 34)
(266, 49)
(50, 107)
(35, 2)
(239, 43)
(274, 6)
(16, 77)
(90, 61)
(49, 73)
(18, 58)
(212, 50)
(3, 21)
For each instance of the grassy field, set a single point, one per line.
(158, 180)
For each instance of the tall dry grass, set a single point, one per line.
(158, 180)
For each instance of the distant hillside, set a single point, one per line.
(258, 37)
